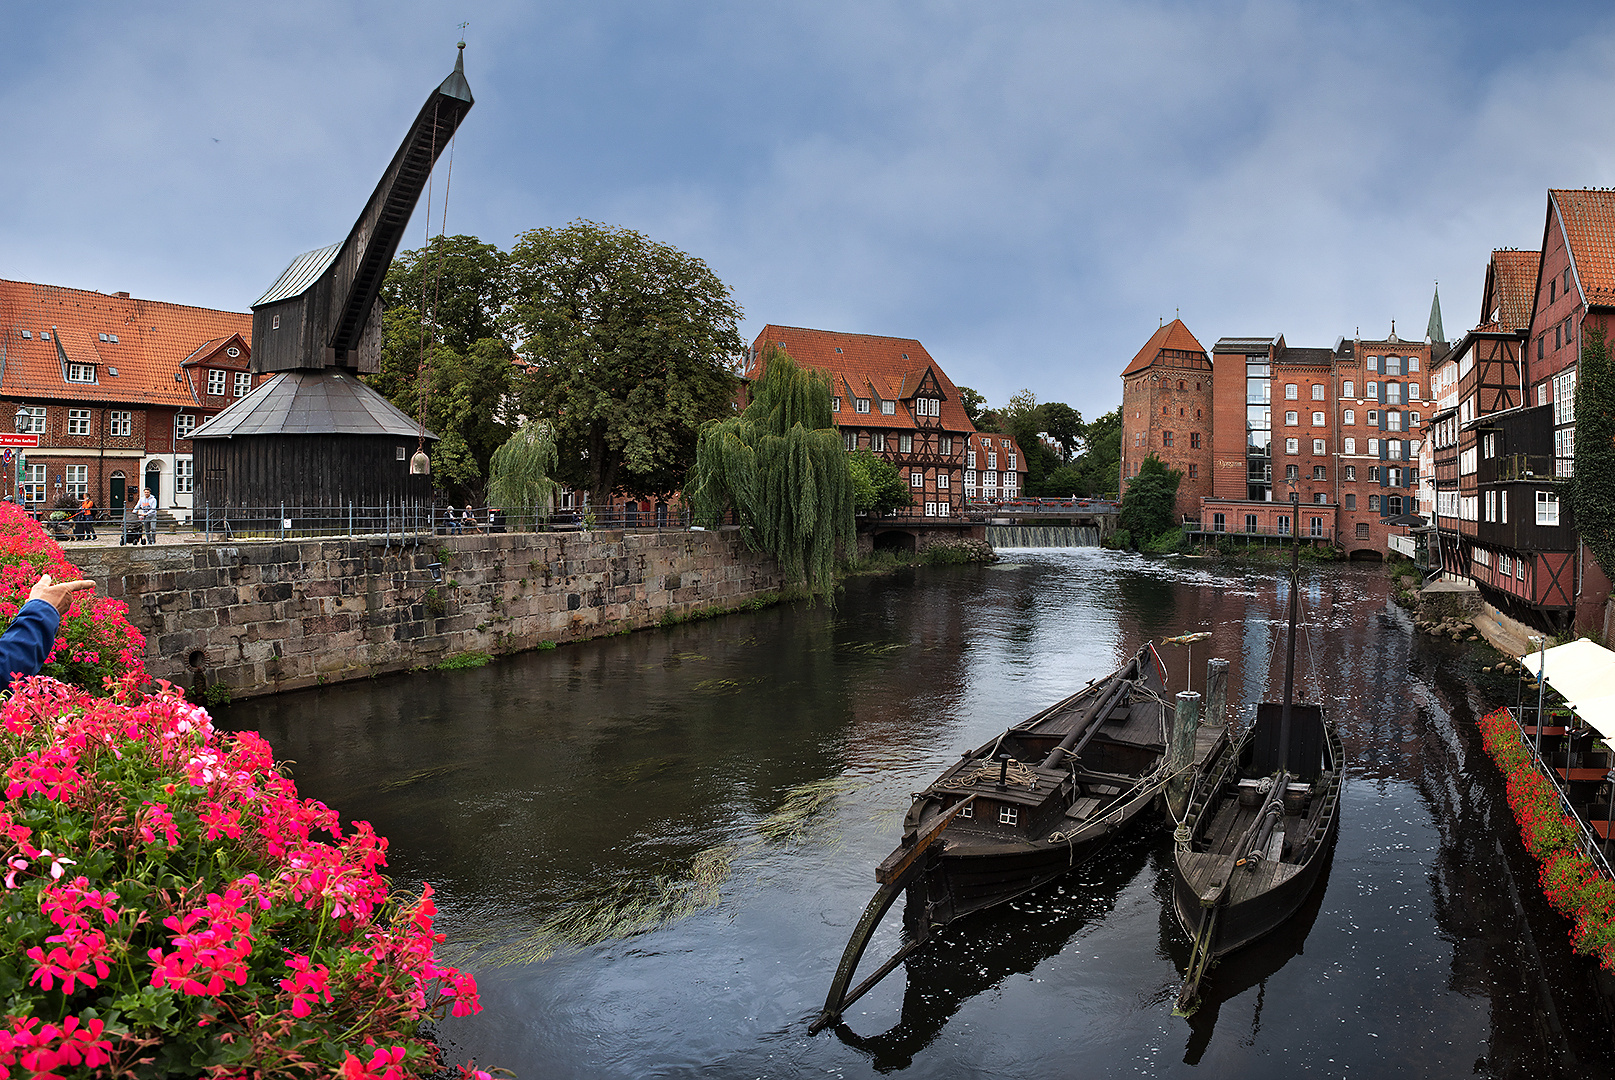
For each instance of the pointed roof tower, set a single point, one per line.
(1433, 332)
(1174, 344)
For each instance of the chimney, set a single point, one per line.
(121, 295)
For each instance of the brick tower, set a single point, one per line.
(1166, 410)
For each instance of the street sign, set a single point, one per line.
(10, 438)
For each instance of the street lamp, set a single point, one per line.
(1542, 660)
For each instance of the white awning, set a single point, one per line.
(1584, 673)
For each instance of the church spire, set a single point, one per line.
(1434, 333)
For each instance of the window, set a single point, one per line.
(1011, 461)
(1194, 440)
(81, 373)
(1502, 504)
(943, 480)
(835, 404)
(1317, 446)
(1348, 389)
(1317, 523)
(946, 445)
(849, 439)
(1468, 461)
(1284, 524)
(1321, 498)
(1519, 568)
(1351, 446)
(78, 480)
(1413, 419)
(31, 479)
(888, 408)
(31, 419)
(970, 478)
(1373, 365)
(1393, 505)
(1373, 448)
(970, 459)
(905, 444)
(992, 459)
(1393, 420)
(1413, 365)
(930, 509)
(1008, 815)
(1166, 438)
(1373, 474)
(1564, 397)
(1317, 391)
(1393, 449)
(1351, 502)
(1393, 477)
(1318, 472)
(1362, 530)
(78, 421)
(1373, 503)
(1505, 565)
(184, 474)
(858, 404)
(1393, 365)
(1292, 418)
(1219, 522)
(120, 423)
(243, 383)
(1250, 523)
(1317, 419)
(1292, 472)
(1291, 392)
(1292, 446)
(1393, 393)
(1490, 512)
(215, 382)
(877, 441)
(1373, 391)
(1547, 508)
(916, 479)
(1004, 443)
(1413, 391)
(1351, 472)
(1194, 471)
(1349, 416)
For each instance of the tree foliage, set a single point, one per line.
(1592, 484)
(1147, 506)
(878, 488)
(973, 404)
(629, 347)
(781, 467)
(1063, 424)
(519, 474)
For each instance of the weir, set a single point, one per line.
(1043, 536)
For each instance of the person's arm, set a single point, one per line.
(28, 640)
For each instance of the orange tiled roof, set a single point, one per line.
(153, 339)
(1174, 335)
(1512, 286)
(1589, 223)
(993, 440)
(864, 365)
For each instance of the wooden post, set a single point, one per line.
(1185, 719)
(1216, 693)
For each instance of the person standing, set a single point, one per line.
(146, 517)
(85, 528)
(28, 640)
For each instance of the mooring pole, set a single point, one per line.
(1185, 720)
(1216, 693)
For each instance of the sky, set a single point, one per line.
(1029, 188)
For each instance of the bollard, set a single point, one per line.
(1185, 719)
(1216, 693)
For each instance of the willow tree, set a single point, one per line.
(780, 467)
(519, 473)
(1592, 481)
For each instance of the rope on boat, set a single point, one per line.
(1015, 772)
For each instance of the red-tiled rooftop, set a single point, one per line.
(1513, 285)
(866, 365)
(152, 340)
(1589, 223)
(1172, 336)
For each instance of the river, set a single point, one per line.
(651, 848)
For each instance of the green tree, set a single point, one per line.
(973, 404)
(1099, 465)
(1592, 483)
(519, 474)
(629, 346)
(459, 281)
(1063, 424)
(781, 467)
(1147, 507)
(878, 488)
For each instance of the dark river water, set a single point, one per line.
(651, 849)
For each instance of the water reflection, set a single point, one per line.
(652, 848)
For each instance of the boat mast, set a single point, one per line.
(1289, 646)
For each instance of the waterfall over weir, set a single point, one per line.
(1043, 536)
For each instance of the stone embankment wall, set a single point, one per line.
(260, 617)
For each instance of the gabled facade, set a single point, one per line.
(1167, 411)
(892, 398)
(995, 468)
(112, 387)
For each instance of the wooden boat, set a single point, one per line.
(1021, 810)
(1260, 822)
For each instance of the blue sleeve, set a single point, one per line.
(28, 640)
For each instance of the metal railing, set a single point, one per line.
(1240, 528)
(412, 521)
(1591, 844)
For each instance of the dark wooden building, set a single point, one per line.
(315, 436)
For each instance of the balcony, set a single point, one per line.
(1525, 467)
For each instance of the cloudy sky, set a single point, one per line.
(1026, 187)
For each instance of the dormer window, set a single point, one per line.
(927, 407)
(888, 408)
(835, 404)
(82, 373)
(861, 404)
(215, 382)
(243, 383)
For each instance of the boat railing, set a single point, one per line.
(1591, 844)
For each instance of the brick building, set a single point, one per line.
(1167, 411)
(111, 386)
(891, 398)
(995, 468)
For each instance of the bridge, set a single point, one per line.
(1013, 523)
